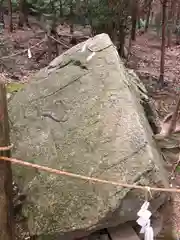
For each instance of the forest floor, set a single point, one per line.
(14, 62)
(145, 59)
(16, 66)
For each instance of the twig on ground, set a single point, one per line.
(58, 41)
(36, 35)
(23, 51)
(71, 35)
(38, 57)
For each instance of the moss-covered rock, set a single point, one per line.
(86, 119)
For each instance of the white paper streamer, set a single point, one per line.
(149, 234)
(29, 53)
(144, 221)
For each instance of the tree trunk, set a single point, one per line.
(71, 18)
(121, 41)
(6, 206)
(23, 14)
(178, 14)
(10, 25)
(61, 8)
(161, 77)
(51, 33)
(129, 51)
(1, 20)
(2, 23)
(178, 23)
(148, 15)
(56, 44)
(171, 14)
(152, 20)
(49, 40)
(139, 23)
(50, 52)
(134, 19)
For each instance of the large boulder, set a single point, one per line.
(84, 115)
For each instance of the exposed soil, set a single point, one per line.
(145, 60)
(14, 62)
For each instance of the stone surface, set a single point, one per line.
(157, 225)
(84, 117)
(104, 237)
(123, 232)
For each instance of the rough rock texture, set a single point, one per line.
(84, 117)
(123, 233)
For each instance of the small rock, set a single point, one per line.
(104, 237)
(123, 232)
(94, 236)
